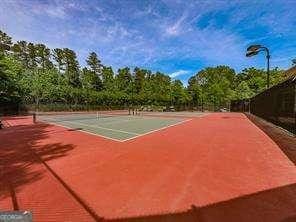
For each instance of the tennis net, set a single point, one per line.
(75, 116)
(108, 114)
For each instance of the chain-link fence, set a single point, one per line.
(11, 109)
(276, 104)
(240, 105)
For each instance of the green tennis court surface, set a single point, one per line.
(120, 128)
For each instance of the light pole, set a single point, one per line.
(254, 50)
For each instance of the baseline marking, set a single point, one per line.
(153, 131)
(94, 134)
(120, 121)
(99, 127)
(118, 140)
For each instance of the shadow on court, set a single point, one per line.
(285, 141)
(20, 156)
(275, 205)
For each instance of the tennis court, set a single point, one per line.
(118, 127)
(217, 167)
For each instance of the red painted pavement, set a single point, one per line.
(211, 160)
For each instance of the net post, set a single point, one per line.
(97, 115)
(34, 118)
(1, 122)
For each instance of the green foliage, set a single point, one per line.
(42, 54)
(139, 75)
(5, 42)
(108, 79)
(20, 52)
(256, 78)
(71, 67)
(243, 91)
(58, 56)
(157, 89)
(90, 80)
(10, 71)
(212, 85)
(92, 77)
(124, 80)
(195, 91)
(32, 73)
(179, 94)
(94, 63)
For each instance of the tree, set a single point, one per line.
(71, 67)
(256, 78)
(276, 76)
(158, 89)
(58, 56)
(94, 72)
(124, 80)
(10, 70)
(195, 91)
(139, 75)
(216, 86)
(20, 51)
(94, 63)
(43, 56)
(108, 79)
(179, 94)
(32, 63)
(40, 86)
(243, 91)
(90, 80)
(5, 42)
(35, 74)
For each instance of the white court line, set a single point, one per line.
(118, 140)
(137, 118)
(94, 126)
(114, 130)
(94, 134)
(120, 121)
(153, 131)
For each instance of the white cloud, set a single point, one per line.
(57, 9)
(56, 12)
(176, 28)
(179, 73)
(139, 34)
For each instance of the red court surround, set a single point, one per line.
(221, 163)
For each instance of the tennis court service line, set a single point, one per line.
(111, 138)
(153, 131)
(121, 121)
(80, 130)
(99, 127)
(104, 128)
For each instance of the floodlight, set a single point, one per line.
(253, 48)
(251, 53)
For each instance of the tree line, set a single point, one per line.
(31, 73)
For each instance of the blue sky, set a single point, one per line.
(176, 37)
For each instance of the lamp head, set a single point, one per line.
(253, 48)
(251, 53)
